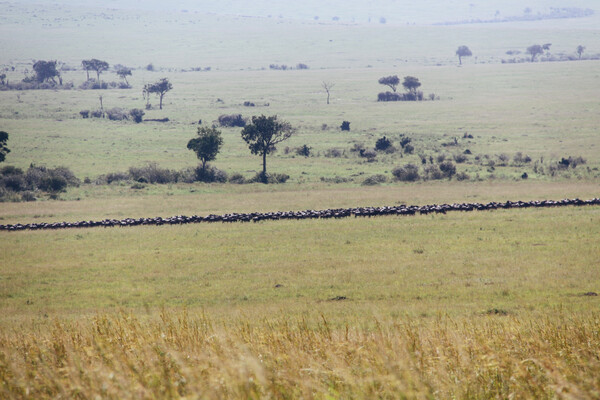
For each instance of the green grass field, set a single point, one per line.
(480, 305)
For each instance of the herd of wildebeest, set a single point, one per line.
(307, 214)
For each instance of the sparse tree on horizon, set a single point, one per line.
(534, 50)
(94, 65)
(580, 50)
(327, 86)
(263, 134)
(46, 71)
(123, 72)
(463, 51)
(411, 84)
(160, 88)
(392, 81)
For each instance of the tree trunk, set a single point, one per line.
(98, 73)
(161, 96)
(459, 61)
(264, 171)
(327, 97)
(87, 72)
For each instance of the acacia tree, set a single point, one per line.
(327, 86)
(580, 50)
(263, 134)
(391, 81)
(123, 72)
(206, 145)
(86, 66)
(3, 149)
(534, 50)
(94, 65)
(463, 51)
(160, 88)
(411, 84)
(45, 71)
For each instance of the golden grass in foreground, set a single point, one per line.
(176, 355)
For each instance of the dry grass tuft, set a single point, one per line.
(176, 355)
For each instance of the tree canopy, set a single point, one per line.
(3, 149)
(536, 49)
(411, 84)
(263, 134)
(95, 65)
(206, 145)
(463, 51)
(123, 72)
(160, 88)
(45, 71)
(392, 81)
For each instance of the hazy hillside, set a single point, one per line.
(234, 35)
(381, 11)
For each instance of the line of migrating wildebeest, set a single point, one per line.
(307, 214)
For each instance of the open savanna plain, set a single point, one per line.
(466, 305)
(475, 305)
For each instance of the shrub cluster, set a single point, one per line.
(393, 96)
(283, 67)
(270, 178)
(35, 85)
(334, 153)
(383, 144)
(14, 182)
(304, 150)
(115, 114)
(93, 84)
(374, 180)
(410, 172)
(153, 173)
(406, 173)
(232, 120)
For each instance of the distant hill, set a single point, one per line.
(396, 12)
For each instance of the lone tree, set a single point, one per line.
(580, 50)
(45, 71)
(263, 134)
(159, 88)
(536, 49)
(391, 81)
(411, 84)
(463, 51)
(3, 149)
(327, 86)
(94, 65)
(123, 73)
(206, 145)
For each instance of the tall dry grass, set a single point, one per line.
(176, 355)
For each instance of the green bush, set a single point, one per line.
(406, 173)
(374, 180)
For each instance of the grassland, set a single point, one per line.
(507, 108)
(477, 305)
